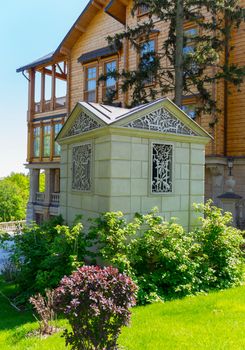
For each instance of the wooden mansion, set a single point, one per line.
(64, 91)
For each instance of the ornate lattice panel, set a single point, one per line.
(161, 120)
(81, 167)
(162, 164)
(83, 124)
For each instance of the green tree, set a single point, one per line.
(179, 68)
(14, 194)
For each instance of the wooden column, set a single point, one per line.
(41, 141)
(29, 141)
(31, 95)
(43, 90)
(52, 137)
(125, 67)
(31, 111)
(53, 102)
(68, 84)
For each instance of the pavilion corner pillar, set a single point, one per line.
(217, 180)
(49, 189)
(34, 188)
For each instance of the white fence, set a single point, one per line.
(11, 226)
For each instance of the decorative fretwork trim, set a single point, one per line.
(82, 167)
(161, 120)
(83, 123)
(162, 165)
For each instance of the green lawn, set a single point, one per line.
(213, 322)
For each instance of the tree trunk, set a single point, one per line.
(179, 52)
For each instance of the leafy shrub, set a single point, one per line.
(44, 306)
(220, 255)
(44, 254)
(166, 261)
(161, 258)
(110, 232)
(96, 302)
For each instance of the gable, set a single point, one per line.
(82, 124)
(160, 120)
(161, 116)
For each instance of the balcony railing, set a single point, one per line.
(55, 199)
(40, 197)
(60, 103)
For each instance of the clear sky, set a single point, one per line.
(29, 29)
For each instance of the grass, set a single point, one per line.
(213, 322)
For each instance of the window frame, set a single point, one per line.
(104, 87)
(55, 142)
(140, 13)
(85, 79)
(189, 100)
(190, 43)
(50, 143)
(36, 126)
(152, 37)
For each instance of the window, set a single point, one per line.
(91, 84)
(189, 106)
(162, 165)
(36, 141)
(143, 10)
(81, 167)
(110, 86)
(147, 54)
(189, 34)
(57, 128)
(46, 140)
(190, 110)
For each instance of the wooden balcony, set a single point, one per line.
(47, 106)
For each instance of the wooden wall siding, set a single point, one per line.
(94, 38)
(236, 100)
(217, 130)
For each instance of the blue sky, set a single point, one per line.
(29, 29)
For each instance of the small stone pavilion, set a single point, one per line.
(131, 160)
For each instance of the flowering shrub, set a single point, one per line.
(96, 302)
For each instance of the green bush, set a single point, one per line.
(163, 258)
(44, 254)
(166, 261)
(220, 255)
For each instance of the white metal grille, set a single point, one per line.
(81, 167)
(162, 164)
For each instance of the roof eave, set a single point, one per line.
(117, 10)
(36, 63)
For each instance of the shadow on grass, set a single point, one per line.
(10, 317)
(16, 326)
